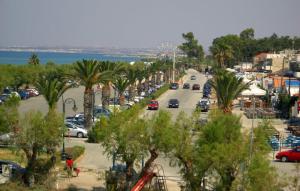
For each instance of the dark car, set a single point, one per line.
(4, 97)
(186, 86)
(100, 111)
(24, 94)
(289, 155)
(173, 103)
(153, 104)
(193, 77)
(203, 104)
(16, 170)
(174, 86)
(196, 87)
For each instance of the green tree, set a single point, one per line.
(121, 83)
(113, 69)
(89, 73)
(9, 115)
(191, 48)
(247, 34)
(38, 134)
(184, 153)
(52, 87)
(34, 60)
(131, 74)
(227, 50)
(221, 143)
(227, 87)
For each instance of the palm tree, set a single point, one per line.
(34, 60)
(52, 87)
(114, 69)
(227, 87)
(222, 53)
(166, 68)
(131, 74)
(121, 83)
(89, 74)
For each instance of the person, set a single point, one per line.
(69, 165)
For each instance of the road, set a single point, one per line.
(188, 98)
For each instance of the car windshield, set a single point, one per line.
(153, 102)
(173, 101)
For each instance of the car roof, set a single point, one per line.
(173, 100)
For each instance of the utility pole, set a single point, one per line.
(174, 56)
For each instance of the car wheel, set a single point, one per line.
(79, 135)
(284, 159)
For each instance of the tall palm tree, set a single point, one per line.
(222, 53)
(166, 68)
(121, 83)
(131, 74)
(89, 74)
(52, 87)
(114, 69)
(227, 87)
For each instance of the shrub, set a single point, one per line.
(75, 151)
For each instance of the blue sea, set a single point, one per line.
(18, 57)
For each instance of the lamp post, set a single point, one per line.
(252, 126)
(64, 102)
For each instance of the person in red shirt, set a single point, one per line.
(69, 165)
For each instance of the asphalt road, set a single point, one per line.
(188, 98)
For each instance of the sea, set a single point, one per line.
(22, 57)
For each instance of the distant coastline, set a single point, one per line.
(61, 56)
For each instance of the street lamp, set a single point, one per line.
(66, 101)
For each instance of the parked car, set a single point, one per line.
(4, 97)
(174, 86)
(153, 104)
(203, 104)
(186, 86)
(193, 77)
(16, 169)
(173, 103)
(32, 92)
(24, 94)
(100, 111)
(75, 131)
(196, 87)
(289, 155)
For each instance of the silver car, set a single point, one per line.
(75, 131)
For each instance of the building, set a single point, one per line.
(271, 62)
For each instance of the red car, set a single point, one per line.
(153, 104)
(289, 155)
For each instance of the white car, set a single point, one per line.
(75, 131)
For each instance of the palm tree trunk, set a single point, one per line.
(131, 92)
(105, 96)
(122, 99)
(139, 88)
(87, 107)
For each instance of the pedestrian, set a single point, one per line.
(69, 165)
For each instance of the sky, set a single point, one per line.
(140, 23)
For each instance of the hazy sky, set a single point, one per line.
(140, 23)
